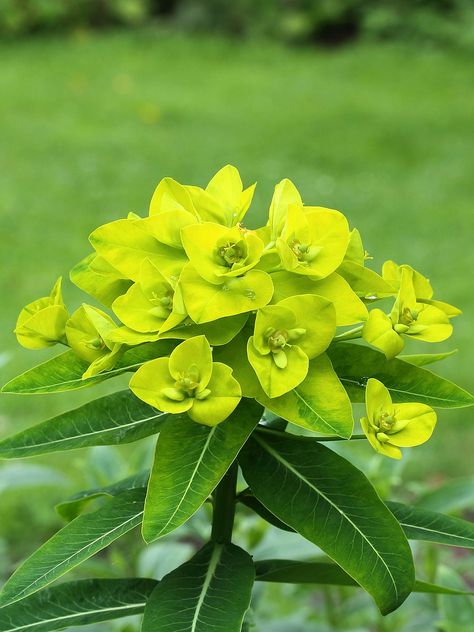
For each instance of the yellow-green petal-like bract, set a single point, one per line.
(189, 381)
(87, 334)
(42, 323)
(389, 426)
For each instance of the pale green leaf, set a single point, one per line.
(320, 403)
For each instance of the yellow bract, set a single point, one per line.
(390, 426)
(42, 322)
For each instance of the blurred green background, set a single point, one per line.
(366, 106)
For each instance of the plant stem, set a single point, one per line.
(224, 506)
(352, 334)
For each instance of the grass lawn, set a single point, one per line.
(89, 124)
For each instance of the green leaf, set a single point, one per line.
(77, 603)
(355, 364)
(332, 504)
(430, 526)
(422, 359)
(451, 496)
(326, 574)
(110, 420)
(64, 372)
(248, 499)
(75, 543)
(319, 403)
(190, 461)
(210, 592)
(75, 505)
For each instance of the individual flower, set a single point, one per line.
(392, 272)
(286, 337)
(409, 317)
(219, 253)
(313, 240)
(220, 279)
(42, 322)
(389, 426)
(189, 381)
(87, 334)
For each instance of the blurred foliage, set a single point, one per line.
(326, 22)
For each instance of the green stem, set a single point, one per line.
(224, 506)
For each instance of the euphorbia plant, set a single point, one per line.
(247, 349)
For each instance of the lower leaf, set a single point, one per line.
(75, 543)
(331, 503)
(77, 603)
(210, 592)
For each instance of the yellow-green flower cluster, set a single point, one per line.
(267, 301)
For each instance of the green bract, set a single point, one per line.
(390, 427)
(240, 356)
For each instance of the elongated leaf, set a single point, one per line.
(190, 461)
(77, 603)
(430, 526)
(248, 499)
(110, 420)
(73, 506)
(423, 359)
(319, 403)
(76, 542)
(327, 574)
(331, 503)
(210, 592)
(64, 372)
(451, 496)
(355, 364)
